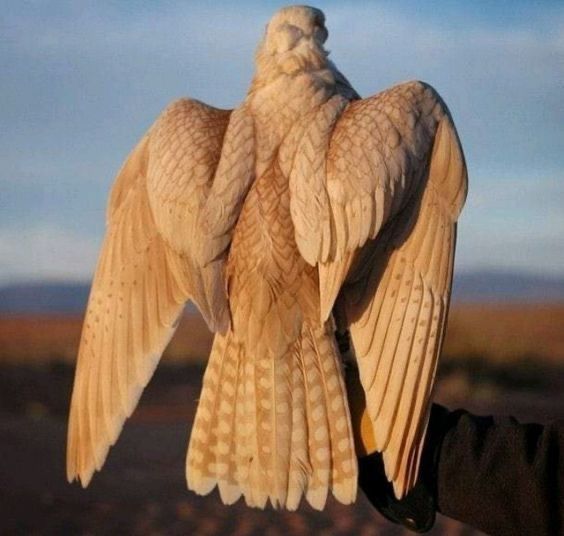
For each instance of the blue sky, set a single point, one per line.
(82, 80)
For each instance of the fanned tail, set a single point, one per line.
(274, 428)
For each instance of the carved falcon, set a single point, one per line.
(303, 210)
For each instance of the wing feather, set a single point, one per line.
(398, 363)
(146, 272)
(394, 184)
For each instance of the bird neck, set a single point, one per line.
(277, 106)
(286, 87)
(306, 56)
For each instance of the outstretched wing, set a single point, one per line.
(148, 268)
(395, 184)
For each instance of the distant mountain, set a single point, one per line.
(501, 286)
(479, 286)
(47, 298)
(44, 298)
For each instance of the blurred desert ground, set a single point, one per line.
(498, 358)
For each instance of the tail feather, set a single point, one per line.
(343, 456)
(229, 489)
(243, 429)
(256, 494)
(318, 425)
(300, 467)
(202, 476)
(274, 428)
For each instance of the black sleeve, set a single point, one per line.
(495, 474)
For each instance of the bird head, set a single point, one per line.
(293, 26)
(293, 42)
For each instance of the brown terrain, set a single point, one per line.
(504, 359)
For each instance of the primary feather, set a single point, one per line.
(304, 204)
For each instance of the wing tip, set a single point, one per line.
(82, 477)
(71, 475)
(400, 488)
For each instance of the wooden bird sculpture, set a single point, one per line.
(303, 210)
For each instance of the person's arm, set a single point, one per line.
(495, 474)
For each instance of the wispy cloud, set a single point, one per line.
(46, 252)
